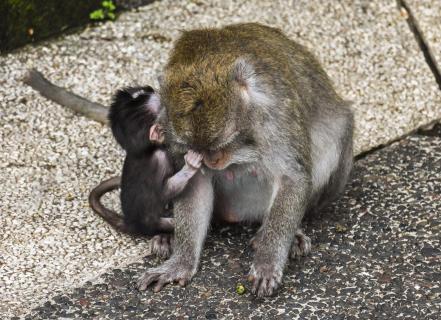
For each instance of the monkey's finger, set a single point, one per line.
(162, 281)
(147, 280)
(183, 282)
(272, 286)
(257, 281)
(194, 156)
(264, 289)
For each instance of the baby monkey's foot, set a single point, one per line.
(301, 245)
(162, 245)
(193, 159)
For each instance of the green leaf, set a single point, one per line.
(108, 5)
(97, 15)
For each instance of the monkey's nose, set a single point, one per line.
(213, 157)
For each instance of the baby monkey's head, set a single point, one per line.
(132, 117)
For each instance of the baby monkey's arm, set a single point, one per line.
(176, 184)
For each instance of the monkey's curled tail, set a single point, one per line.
(65, 98)
(163, 225)
(110, 216)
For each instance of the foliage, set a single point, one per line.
(107, 11)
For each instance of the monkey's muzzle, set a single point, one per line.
(217, 160)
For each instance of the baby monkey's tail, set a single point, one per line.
(163, 225)
(110, 216)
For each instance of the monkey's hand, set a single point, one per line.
(172, 270)
(265, 276)
(193, 159)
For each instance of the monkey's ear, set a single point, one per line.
(154, 104)
(251, 87)
(243, 72)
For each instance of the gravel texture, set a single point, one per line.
(51, 158)
(376, 255)
(428, 15)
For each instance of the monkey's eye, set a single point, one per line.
(185, 85)
(198, 105)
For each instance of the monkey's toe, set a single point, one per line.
(254, 242)
(172, 270)
(146, 280)
(162, 245)
(301, 246)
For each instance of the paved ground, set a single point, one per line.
(428, 15)
(376, 255)
(51, 158)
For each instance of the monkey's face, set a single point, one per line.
(206, 110)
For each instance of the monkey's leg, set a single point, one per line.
(192, 212)
(277, 235)
(340, 175)
(65, 98)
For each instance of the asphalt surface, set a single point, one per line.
(376, 255)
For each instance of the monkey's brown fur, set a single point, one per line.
(276, 138)
(199, 50)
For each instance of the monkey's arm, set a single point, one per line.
(192, 213)
(176, 184)
(65, 98)
(277, 233)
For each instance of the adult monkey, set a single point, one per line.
(276, 139)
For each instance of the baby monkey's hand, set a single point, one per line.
(193, 159)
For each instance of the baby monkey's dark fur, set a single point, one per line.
(145, 187)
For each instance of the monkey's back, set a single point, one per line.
(141, 193)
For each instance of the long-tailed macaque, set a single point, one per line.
(276, 141)
(147, 182)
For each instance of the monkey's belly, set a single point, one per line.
(241, 194)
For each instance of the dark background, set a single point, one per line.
(25, 21)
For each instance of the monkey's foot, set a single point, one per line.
(172, 270)
(256, 239)
(162, 245)
(265, 278)
(301, 245)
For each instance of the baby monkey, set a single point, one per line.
(147, 181)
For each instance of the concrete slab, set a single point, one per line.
(428, 15)
(376, 255)
(51, 158)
